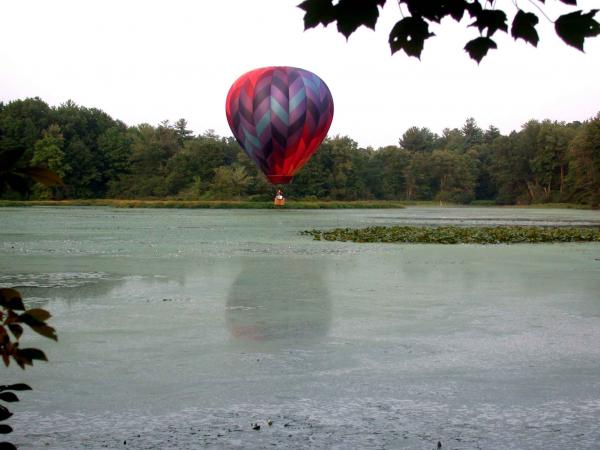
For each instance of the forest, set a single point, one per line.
(98, 156)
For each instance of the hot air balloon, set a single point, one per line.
(279, 115)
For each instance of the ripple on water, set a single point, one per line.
(52, 280)
(344, 423)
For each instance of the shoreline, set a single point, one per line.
(290, 204)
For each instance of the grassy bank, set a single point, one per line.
(223, 204)
(459, 235)
(556, 206)
(291, 204)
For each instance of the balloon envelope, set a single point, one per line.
(279, 115)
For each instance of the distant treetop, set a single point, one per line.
(410, 32)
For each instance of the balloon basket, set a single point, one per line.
(279, 201)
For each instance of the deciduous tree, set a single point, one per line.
(584, 163)
(417, 139)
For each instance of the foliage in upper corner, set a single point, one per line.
(409, 33)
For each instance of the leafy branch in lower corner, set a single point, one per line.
(13, 315)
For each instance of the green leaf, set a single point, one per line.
(39, 314)
(478, 48)
(433, 11)
(11, 299)
(455, 8)
(573, 28)
(4, 413)
(28, 319)
(22, 362)
(17, 330)
(351, 14)
(492, 19)
(46, 331)
(5, 429)
(436, 10)
(317, 11)
(8, 397)
(43, 176)
(16, 387)
(523, 27)
(32, 354)
(474, 9)
(409, 34)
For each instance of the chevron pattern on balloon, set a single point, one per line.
(279, 115)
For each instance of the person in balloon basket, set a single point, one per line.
(279, 199)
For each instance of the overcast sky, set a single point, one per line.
(146, 61)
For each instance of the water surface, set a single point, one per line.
(180, 328)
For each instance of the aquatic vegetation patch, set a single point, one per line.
(458, 235)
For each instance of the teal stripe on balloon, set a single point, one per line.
(249, 138)
(263, 123)
(310, 83)
(317, 82)
(279, 111)
(297, 99)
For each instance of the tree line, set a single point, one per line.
(101, 157)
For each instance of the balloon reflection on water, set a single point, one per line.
(279, 298)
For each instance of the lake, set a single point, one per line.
(181, 328)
